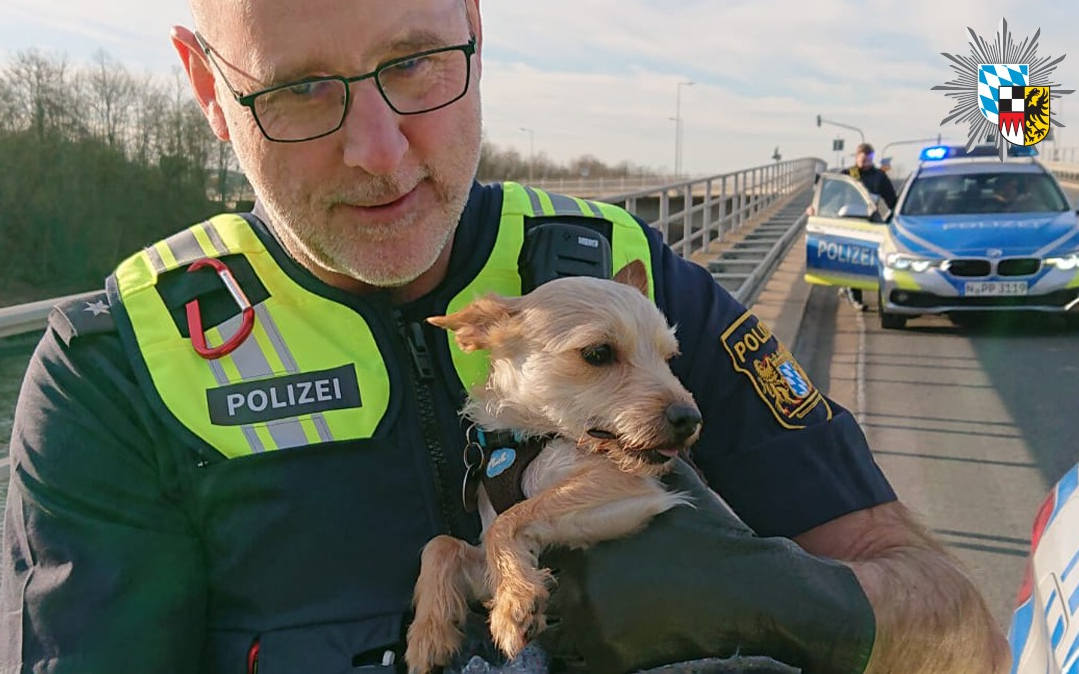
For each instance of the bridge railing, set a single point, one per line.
(608, 185)
(692, 213)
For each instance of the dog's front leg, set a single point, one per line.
(520, 589)
(451, 575)
(585, 508)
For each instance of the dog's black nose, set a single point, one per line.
(684, 420)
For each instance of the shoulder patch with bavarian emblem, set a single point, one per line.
(776, 376)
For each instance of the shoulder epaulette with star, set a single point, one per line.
(82, 316)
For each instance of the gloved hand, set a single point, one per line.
(697, 583)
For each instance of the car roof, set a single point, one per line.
(965, 166)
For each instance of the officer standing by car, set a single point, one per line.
(876, 182)
(231, 459)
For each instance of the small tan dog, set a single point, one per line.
(582, 362)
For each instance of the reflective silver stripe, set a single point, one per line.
(533, 197)
(262, 314)
(288, 361)
(219, 372)
(563, 205)
(249, 359)
(594, 208)
(252, 364)
(215, 238)
(248, 430)
(185, 248)
(287, 433)
(155, 260)
(322, 427)
(253, 439)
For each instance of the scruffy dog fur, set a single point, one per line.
(584, 360)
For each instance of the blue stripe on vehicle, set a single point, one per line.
(1049, 603)
(1074, 650)
(1020, 631)
(1058, 632)
(1065, 488)
(1073, 601)
(1070, 566)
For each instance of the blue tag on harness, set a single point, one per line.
(500, 461)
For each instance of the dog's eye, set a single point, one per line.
(600, 354)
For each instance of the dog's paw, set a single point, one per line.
(517, 617)
(431, 644)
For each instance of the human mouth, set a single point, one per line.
(385, 209)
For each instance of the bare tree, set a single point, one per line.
(110, 92)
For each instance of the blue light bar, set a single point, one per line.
(938, 152)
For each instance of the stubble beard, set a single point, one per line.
(382, 255)
(302, 217)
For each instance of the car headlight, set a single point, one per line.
(1065, 263)
(903, 262)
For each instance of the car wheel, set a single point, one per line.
(889, 321)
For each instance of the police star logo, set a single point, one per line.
(776, 376)
(1003, 91)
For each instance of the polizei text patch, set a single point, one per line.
(291, 396)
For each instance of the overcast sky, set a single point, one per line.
(600, 76)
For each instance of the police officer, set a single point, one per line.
(231, 458)
(875, 180)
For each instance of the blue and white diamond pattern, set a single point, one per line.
(993, 76)
(797, 383)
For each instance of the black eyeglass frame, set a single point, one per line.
(248, 100)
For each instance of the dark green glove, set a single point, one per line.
(698, 583)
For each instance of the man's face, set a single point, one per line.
(379, 199)
(864, 160)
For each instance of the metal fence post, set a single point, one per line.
(706, 215)
(687, 219)
(724, 212)
(664, 216)
(739, 180)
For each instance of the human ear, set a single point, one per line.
(202, 79)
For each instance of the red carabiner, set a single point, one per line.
(194, 317)
(253, 658)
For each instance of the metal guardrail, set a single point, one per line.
(20, 318)
(591, 187)
(712, 206)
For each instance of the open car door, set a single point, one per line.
(843, 235)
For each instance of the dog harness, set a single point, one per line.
(497, 460)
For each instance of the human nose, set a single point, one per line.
(373, 140)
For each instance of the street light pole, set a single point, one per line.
(821, 120)
(678, 125)
(531, 150)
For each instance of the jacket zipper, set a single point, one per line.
(421, 374)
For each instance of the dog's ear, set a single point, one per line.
(634, 274)
(474, 327)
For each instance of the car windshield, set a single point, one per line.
(957, 194)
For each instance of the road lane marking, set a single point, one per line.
(859, 371)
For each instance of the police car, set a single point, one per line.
(969, 233)
(1044, 633)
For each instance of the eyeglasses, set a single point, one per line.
(317, 106)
